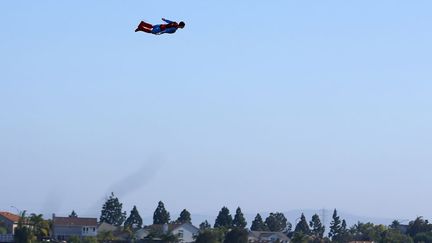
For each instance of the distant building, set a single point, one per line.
(10, 221)
(267, 237)
(65, 227)
(185, 232)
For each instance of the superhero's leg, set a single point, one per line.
(143, 26)
(147, 25)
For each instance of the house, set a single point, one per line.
(9, 221)
(105, 227)
(115, 232)
(65, 227)
(185, 232)
(267, 237)
(142, 233)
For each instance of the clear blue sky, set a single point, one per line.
(270, 105)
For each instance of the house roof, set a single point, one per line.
(171, 227)
(10, 216)
(107, 227)
(266, 234)
(160, 227)
(74, 221)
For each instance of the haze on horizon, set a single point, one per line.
(267, 105)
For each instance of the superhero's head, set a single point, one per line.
(181, 24)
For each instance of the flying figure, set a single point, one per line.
(169, 28)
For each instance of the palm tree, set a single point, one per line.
(23, 233)
(40, 227)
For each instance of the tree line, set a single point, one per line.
(229, 229)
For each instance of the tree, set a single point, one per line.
(258, 224)
(419, 225)
(3, 230)
(344, 235)
(224, 219)
(89, 240)
(106, 236)
(367, 232)
(74, 239)
(204, 225)
(423, 237)
(300, 237)
(185, 217)
(209, 236)
(302, 226)
(40, 228)
(317, 229)
(23, 234)
(335, 226)
(239, 220)
(134, 220)
(161, 215)
(73, 214)
(112, 212)
(236, 235)
(395, 225)
(276, 222)
(169, 238)
(395, 236)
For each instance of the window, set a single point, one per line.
(180, 234)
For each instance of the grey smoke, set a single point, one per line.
(132, 182)
(52, 204)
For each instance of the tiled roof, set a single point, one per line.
(10, 216)
(74, 221)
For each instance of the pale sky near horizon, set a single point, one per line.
(269, 105)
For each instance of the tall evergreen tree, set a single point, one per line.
(276, 222)
(317, 229)
(395, 225)
(73, 214)
(239, 220)
(134, 220)
(302, 226)
(224, 219)
(345, 236)
(335, 225)
(112, 212)
(343, 226)
(161, 215)
(258, 224)
(204, 225)
(185, 217)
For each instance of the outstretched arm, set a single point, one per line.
(167, 21)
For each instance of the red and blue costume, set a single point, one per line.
(169, 28)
